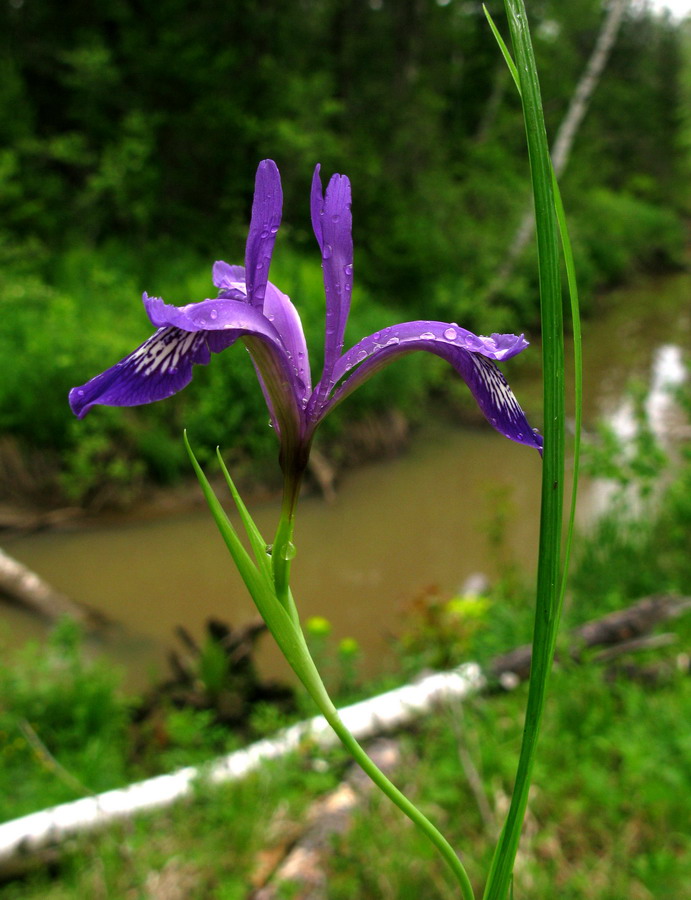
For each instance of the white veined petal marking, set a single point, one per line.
(496, 386)
(164, 350)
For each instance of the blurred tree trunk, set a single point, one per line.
(24, 587)
(568, 129)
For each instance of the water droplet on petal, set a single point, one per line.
(80, 393)
(392, 341)
(327, 252)
(335, 217)
(288, 551)
(348, 269)
(427, 336)
(214, 314)
(450, 334)
(362, 354)
(376, 335)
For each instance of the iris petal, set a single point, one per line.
(279, 310)
(333, 227)
(266, 219)
(157, 369)
(470, 355)
(251, 308)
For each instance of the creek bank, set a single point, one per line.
(373, 438)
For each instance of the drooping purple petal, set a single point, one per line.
(333, 228)
(497, 346)
(266, 219)
(186, 335)
(284, 389)
(158, 368)
(471, 356)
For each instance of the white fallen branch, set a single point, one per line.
(24, 837)
(22, 586)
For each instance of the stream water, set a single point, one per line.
(395, 529)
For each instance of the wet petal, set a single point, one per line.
(471, 355)
(230, 280)
(158, 368)
(333, 225)
(239, 319)
(266, 219)
(279, 310)
(497, 346)
(186, 335)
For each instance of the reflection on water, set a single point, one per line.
(663, 416)
(396, 527)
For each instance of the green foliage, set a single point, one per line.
(127, 164)
(642, 544)
(438, 632)
(610, 826)
(63, 724)
(640, 235)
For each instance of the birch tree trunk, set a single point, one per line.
(568, 129)
(22, 586)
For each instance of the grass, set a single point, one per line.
(613, 776)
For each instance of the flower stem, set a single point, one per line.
(311, 679)
(283, 549)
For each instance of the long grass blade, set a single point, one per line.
(248, 571)
(549, 562)
(574, 301)
(257, 542)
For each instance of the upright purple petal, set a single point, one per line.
(264, 225)
(278, 309)
(333, 227)
(230, 280)
(471, 356)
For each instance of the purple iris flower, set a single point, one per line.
(250, 307)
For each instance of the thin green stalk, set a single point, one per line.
(312, 680)
(548, 574)
(283, 552)
(283, 622)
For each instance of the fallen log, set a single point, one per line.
(18, 521)
(23, 839)
(21, 586)
(615, 628)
